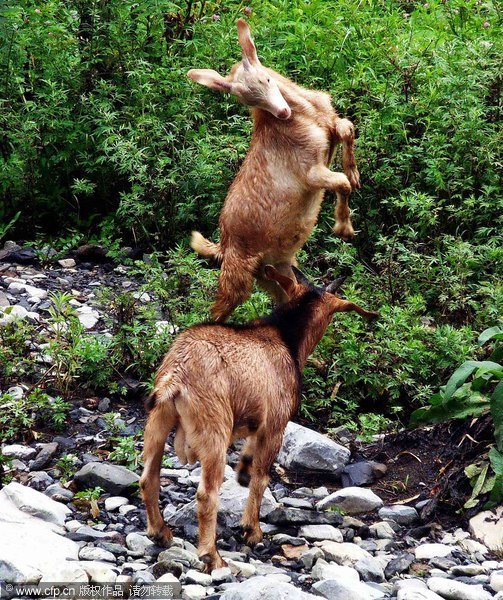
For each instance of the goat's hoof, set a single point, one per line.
(163, 538)
(354, 179)
(212, 561)
(252, 536)
(344, 231)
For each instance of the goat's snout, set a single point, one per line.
(284, 113)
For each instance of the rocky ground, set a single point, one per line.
(321, 539)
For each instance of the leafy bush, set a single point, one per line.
(475, 388)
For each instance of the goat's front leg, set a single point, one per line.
(212, 475)
(320, 177)
(267, 448)
(346, 135)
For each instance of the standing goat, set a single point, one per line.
(222, 382)
(273, 204)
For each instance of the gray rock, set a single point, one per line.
(362, 473)
(299, 516)
(427, 551)
(180, 555)
(59, 493)
(304, 449)
(456, 590)
(307, 559)
(403, 515)
(91, 553)
(40, 480)
(417, 594)
(193, 592)
(351, 500)
(345, 590)
(15, 498)
(44, 456)
(138, 543)
(193, 576)
(88, 534)
(19, 451)
(369, 569)
(297, 503)
(262, 588)
(382, 531)
(221, 575)
(398, 565)
(233, 498)
(114, 479)
(321, 532)
(115, 502)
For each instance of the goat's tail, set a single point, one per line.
(206, 248)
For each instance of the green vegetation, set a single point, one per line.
(103, 138)
(475, 388)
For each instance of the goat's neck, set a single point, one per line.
(312, 332)
(301, 325)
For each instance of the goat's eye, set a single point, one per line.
(268, 80)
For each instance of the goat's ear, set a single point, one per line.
(300, 277)
(210, 79)
(346, 306)
(335, 286)
(286, 283)
(246, 43)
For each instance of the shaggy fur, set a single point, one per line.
(273, 204)
(220, 382)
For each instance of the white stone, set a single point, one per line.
(472, 546)
(12, 313)
(487, 527)
(99, 572)
(496, 581)
(264, 588)
(66, 572)
(456, 590)
(241, 569)
(114, 502)
(193, 576)
(417, 594)
(324, 570)
(19, 451)
(137, 542)
(320, 532)
(382, 530)
(16, 498)
(351, 500)
(67, 263)
(403, 515)
(193, 592)
(90, 553)
(344, 553)
(332, 589)
(167, 578)
(428, 551)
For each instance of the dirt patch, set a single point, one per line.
(428, 464)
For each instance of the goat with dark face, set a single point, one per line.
(273, 204)
(218, 383)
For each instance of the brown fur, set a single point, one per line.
(274, 201)
(220, 382)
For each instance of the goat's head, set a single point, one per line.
(326, 296)
(253, 85)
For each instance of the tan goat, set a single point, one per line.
(273, 204)
(221, 382)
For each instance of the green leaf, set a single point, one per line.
(496, 401)
(496, 459)
(495, 332)
(461, 374)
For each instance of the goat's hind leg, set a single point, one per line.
(346, 135)
(161, 420)
(321, 177)
(234, 284)
(212, 475)
(246, 462)
(267, 448)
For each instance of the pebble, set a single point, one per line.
(427, 551)
(351, 500)
(456, 590)
(320, 532)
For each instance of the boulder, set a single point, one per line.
(487, 527)
(306, 450)
(351, 500)
(403, 515)
(16, 498)
(259, 588)
(457, 590)
(114, 479)
(333, 589)
(233, 499)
